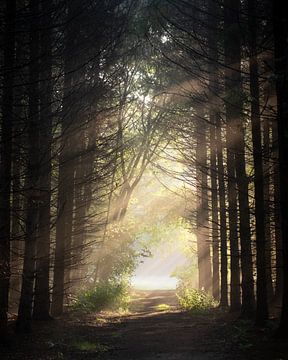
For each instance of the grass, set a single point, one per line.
(163, 307)
(84, 345)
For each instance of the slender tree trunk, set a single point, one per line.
(267, 207)
(215, 218)
(42, 294)
(271, 190)
(59, 261)
(5, 165)
(80, 213)
(233, 233)
(32, 216)
(16, 231)
(268, 165)
(66, 168)
(276, 215)
(63, 227)
(234, 113)
(17, 244)
(276, 206)
(214, 108)
(261, 289)
(280, 22)
(223, 221)
(203, 246)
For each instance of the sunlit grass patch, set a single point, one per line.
(163, 307)
(101, 320)
(84, 345)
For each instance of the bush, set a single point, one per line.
(108, 295)
(192, 299)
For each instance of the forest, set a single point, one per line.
(133, 130)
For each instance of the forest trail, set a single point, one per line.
(154, 330)
(149, 301)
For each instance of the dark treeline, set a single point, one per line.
(92, 92)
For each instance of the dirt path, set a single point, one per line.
(158, 330)
(147, 333)
(151, 301)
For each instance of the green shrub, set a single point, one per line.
(192, 299)
(108, 295)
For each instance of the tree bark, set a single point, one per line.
(214, 109)
(261, 283)
(67, 163)
(32, 213)
(5, 165)
(79, 214)
(16, 229)
(276, 215)
(267, 211)
(223, 215)
(232, 58)
(280, 24)
(234, 113)
(203, 246)
(214, 218)
(42, 293)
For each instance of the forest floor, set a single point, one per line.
(154, 329)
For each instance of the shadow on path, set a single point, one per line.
(147, 333)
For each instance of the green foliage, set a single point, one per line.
(117, 258)
(105, 295)
(192, 299)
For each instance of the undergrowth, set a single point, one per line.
(194, 300)
(105, 295)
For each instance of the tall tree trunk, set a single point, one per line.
(42, 294)
(203, 246)
(232, 218)
(215, 218)
(276, 205)
(280, 23)
(276, 215)
(16, 229)
(79, 213)
(267, 207)
(32, 215)
(17, 244)
(214, 109)
(234, 113)
(223, 221)
(5, 165)
(66, 166)
(261, 285)
(64, 226)
(271, 188)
